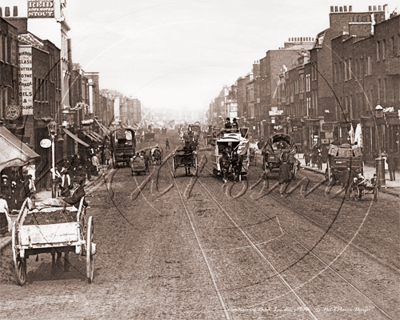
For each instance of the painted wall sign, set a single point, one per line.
(41, 9)
(25, 79)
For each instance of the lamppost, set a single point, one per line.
(52, 126)
(379, 162)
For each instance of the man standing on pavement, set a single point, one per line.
(392, 160)
(5, 220)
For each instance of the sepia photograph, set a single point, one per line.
(199, 159)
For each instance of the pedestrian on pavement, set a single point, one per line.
(392, 160)
(166, 144)
(5, 187)
(96, 163)
(5, 220)
(107, 155)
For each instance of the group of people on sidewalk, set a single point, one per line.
(15, 187)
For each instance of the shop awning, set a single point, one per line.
(75, 137)
(96, 135)
(14, 152)
(91, 137)
(103, 128)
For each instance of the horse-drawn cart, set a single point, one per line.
(184, 158)
(52, 229)
(138, 165)
(278, 149)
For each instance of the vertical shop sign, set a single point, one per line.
(41, 9)
(25, 80)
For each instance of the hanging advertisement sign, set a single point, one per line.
(41, 9)
(25, 80)
(13, 112)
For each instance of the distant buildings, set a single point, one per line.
(320, 90)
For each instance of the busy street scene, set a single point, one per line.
(275, 196)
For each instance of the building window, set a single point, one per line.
(379, 89)
(356, 69)
(378, 50)
(302, 84)
(384, 90)
(308, 83)
(1, 46)
(345, 70)
(369, 66)
(350, 69)
(6, 48)
(383, 49)
(398, 44)
(391, 44)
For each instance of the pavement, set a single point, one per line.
(391, 187)
(46, 194)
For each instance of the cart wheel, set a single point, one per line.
(375, 194)
(173, 167)
(19, 263)
(89, 254)
(195, 163)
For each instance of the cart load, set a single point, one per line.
(342, 158)
(52, 227)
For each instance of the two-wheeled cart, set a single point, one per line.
(52, 230)
(184, 158)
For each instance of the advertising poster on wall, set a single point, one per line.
(25, 80)
(41, 9)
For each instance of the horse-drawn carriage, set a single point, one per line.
(52, 229)
(345, 164)
(138, 165)
(124, 145)
(280, 148)
(231, 156)
(156, 155)
(187, 158)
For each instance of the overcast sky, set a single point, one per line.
(179, 54)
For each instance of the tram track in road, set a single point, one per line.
(214, 276)
(328, 266)
(210, 270)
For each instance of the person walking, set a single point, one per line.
(392, 160)
(166, 144)
(96, 163)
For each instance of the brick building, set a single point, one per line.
(366, 69)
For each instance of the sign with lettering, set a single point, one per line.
(41, 9)
(25, 79)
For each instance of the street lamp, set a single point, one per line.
(52, 126)
(379, 162)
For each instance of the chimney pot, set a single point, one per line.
(350, 8)
(331, 8)
(374, 8)
(369, 8)
(341, 9)
(379, 8)
(345, 8)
